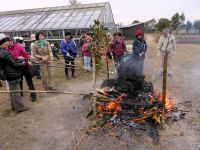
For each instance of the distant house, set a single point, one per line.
(128, 32)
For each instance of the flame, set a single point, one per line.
(113, 105)
(110, 106)
(169, 101)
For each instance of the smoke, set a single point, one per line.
(130, 79)
(131, 68)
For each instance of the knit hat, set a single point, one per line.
(3, 38)
(139, 32)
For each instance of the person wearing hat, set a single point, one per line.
(20, 41)
(18, 52)
(12, 74)
(69, 52)
(35, 60)
(42, 51)
(166, 44)
(139, 49)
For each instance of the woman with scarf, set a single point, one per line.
(42, 51)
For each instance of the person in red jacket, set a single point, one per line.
(19, 53)
(86, 54)
(118, 48)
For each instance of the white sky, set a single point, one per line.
(124, 11)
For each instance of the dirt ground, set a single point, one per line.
(58, 122)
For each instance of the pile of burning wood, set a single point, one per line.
(130, 100)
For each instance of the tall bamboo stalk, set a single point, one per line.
(164, 87)
(107, 65)
(94, 85)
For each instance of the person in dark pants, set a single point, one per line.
(118, 48)
(139, 49)
(12, 74)
(18, 52)
(69, 51)
(55, 51)
(35, 60)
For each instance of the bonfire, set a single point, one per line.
(131, 101)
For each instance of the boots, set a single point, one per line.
(33, 97)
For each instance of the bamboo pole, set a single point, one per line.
(94, 86)
(164, 87)
(41, 91)
(107, 67)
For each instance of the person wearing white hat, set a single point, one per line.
(19, 40)
(10, 71)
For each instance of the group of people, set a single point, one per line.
(15, 62)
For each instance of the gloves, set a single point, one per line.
(68, 55)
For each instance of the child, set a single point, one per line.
(86, 54)
(139, 49)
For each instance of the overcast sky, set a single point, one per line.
(124, 11)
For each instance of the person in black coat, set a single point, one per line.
(139, 49)
(11, 69)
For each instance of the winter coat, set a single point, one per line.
(162, 44)
(10, 65)
(118, 47)
(68, 47)
(139, 46)
(42, 54)
(17, 50)
(84, 50)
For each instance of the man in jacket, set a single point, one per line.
(166, 44)
(19, 53)
(118, 48)
(69, 52)
(12, 74)
(41, 50)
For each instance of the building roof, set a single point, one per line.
(54, 18)
(132, 25)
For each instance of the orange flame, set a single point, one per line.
(169, 102)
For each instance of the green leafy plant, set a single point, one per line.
(99, 43)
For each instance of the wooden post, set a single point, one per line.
(94, 84)
(164, 87)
